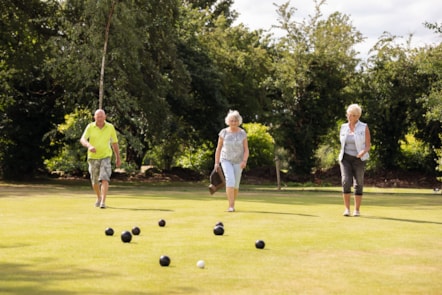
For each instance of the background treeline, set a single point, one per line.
(174, 68)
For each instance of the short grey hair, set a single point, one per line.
(233, 114)
(354, 109)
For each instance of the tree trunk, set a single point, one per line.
(103, 59)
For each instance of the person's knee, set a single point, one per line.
(359, 186)
(359, 190)
(231, 180)
(346, 189)
(346, 185)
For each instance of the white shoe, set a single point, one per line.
(231, 209)
(103, 206)
(356, 213)
(346, 212)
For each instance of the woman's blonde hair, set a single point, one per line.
(354, 109)
(233, 114)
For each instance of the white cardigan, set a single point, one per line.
(359, 139)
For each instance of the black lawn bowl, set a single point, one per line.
(162, 222)
(164, 260)
(126, 236)
(259, 244)
(218, 230)
(109, 231)
(136, 230)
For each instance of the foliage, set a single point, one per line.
(29, 98)
(415, 155)
(261, 145)
(438, 160)
(391, 93)
(71, 160)
(198, 158)
(142, 65)
(313, 66)
(328, 151)
(169, 148)
(436, 27)
(429, 62)
(244, 65)
(67, 163)
(227, 66)
(201, 107)
(174, 68)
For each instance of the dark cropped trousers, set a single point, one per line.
(352, 173)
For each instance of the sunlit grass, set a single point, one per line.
(52, 241)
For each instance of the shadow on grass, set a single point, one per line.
(20, 278)
(139, 209)
(278, 213)
(403, 220)
(191, 191)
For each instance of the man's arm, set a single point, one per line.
(84, 142)
(116, 149)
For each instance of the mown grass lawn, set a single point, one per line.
(52, 241)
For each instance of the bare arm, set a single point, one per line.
(116, 149)
(246, 153)
(367, 139)
(367, 143)
(87, 145)
(218, 152)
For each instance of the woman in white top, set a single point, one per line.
(355, 144)
(232, 153)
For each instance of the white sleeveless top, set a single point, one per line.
(359, 139)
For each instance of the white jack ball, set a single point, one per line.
(201, 264)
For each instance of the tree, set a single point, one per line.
(244, 65)
(314, 66)
(226, 66)
(142, 66)
(103, 59)
(29, 100)
(392, 88)
(429, 62)
(436, 27)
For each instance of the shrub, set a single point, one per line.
(261, 145)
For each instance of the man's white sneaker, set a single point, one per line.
(346, 212)
(231, 209)
(356, 213)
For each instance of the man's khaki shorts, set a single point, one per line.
(100, 169)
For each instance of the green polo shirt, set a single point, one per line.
(101, 139)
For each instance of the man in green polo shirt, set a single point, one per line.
(100, 138)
